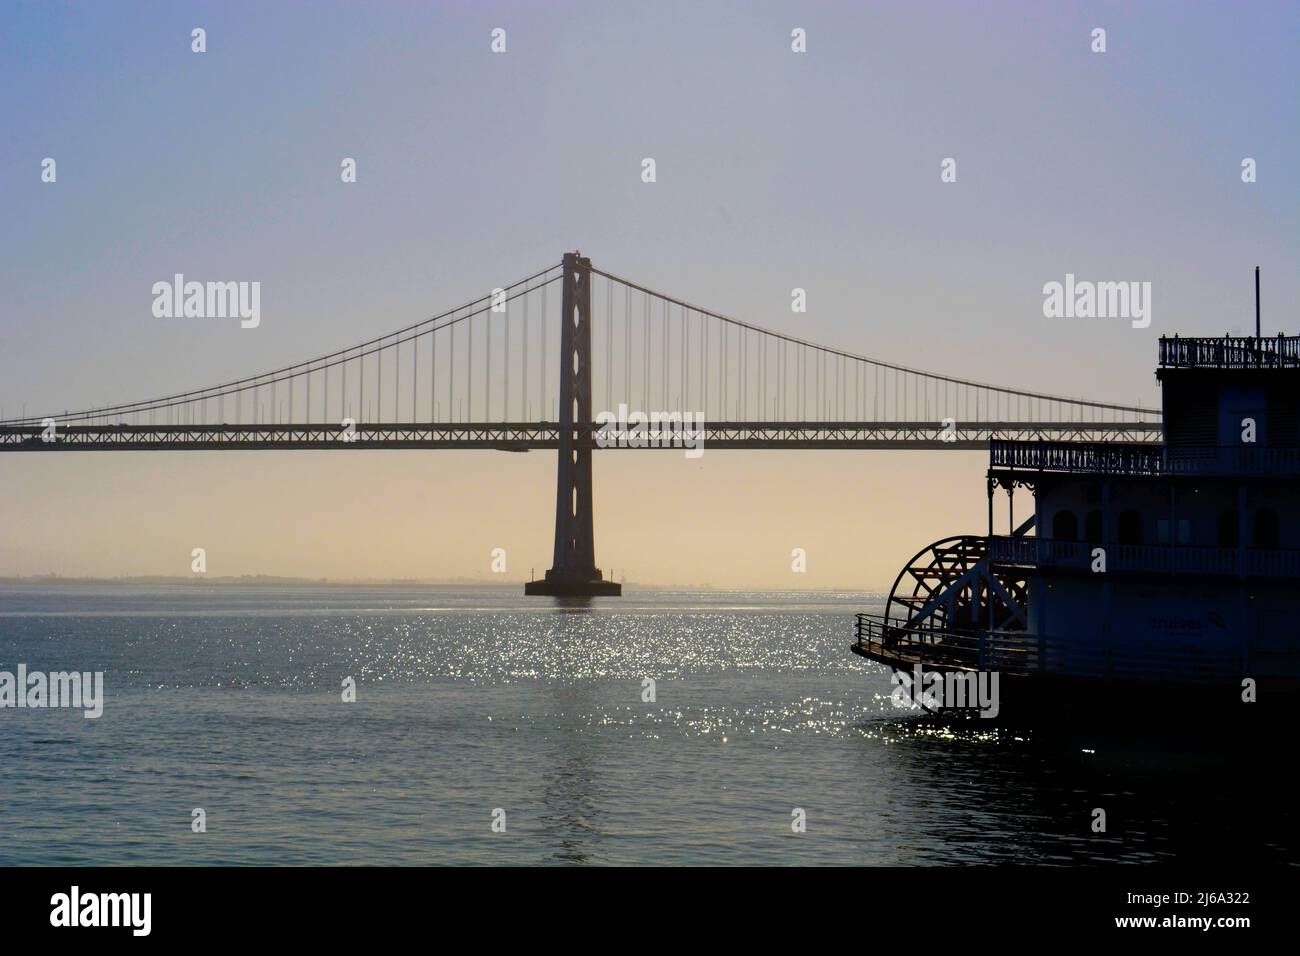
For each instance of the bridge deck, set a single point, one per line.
(506, 436)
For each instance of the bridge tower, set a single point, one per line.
(574, 572)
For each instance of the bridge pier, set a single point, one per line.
(573, 572)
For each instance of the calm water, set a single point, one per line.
(229, 699)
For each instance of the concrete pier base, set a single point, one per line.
(564, 585)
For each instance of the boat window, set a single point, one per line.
(1267, 530)
(1065, 526)
(1092, 527)
(1130, 528)
(1228, 528)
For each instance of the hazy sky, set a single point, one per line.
(775, 170)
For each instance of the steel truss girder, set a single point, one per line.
(537, 436)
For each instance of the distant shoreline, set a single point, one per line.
(267, 580)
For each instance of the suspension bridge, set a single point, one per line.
(527, 366)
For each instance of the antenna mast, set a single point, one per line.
(1257, 303)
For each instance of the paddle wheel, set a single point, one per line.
(941, 602)
(946, 586)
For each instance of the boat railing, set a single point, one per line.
(1135, 458)
(1230, 351)
(1169, 559)
(1158, 658)
(906, 644)
(1186, 662)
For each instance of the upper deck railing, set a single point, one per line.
(1131, 458)
(1230, 351)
